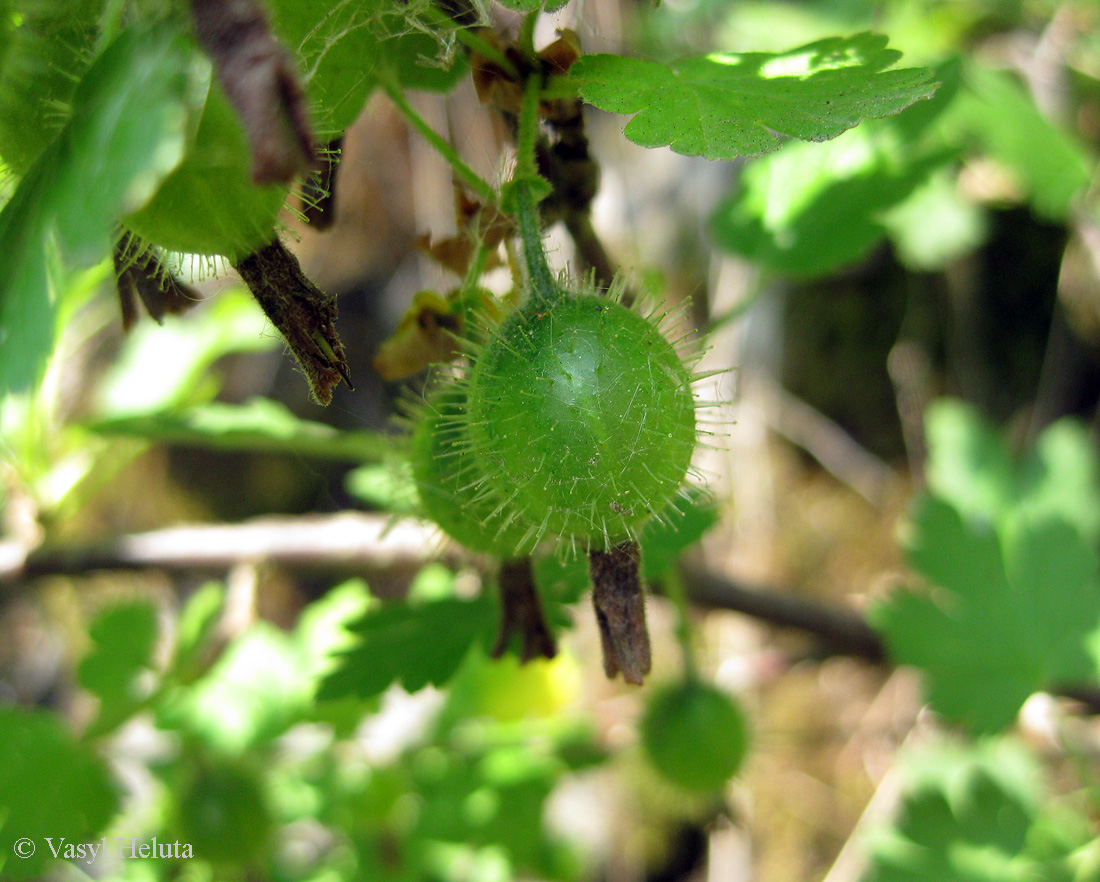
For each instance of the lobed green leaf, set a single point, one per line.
(124, 637)
(1014, 613)
(256, 690)
(973, 814)
(970, 466)
(416, 645)
(724, 105)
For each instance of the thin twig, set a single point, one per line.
(843, 632)
(349, 540)
(358, 542)
(482, 188)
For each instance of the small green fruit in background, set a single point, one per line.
(582, 417)
(507, 689)
(695, 735)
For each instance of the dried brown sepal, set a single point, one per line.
(503, 88)
(319, 189)
(522, 613)
(493, 84)
(482, 221)
(478, 225)
(619, 600)
(261, 83)
(303, 313)
(427, 334)
(453, 253)
(559, 56)
(141, 275)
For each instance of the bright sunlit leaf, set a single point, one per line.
(935, 225)
(970, 466)
(720, 106)
(257, 688)
(1052, 167)
(810, 209)
(164, 367)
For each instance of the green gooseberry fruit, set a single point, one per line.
(694, 735)
(581, 416)
(45, 48)
(450, 487)
(209, 204)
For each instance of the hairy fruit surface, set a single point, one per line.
(581, 415)
(450, 485)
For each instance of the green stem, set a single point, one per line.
(541, 281)
(528, 130)
(465, 174)
(539, 277)
(526, 39)
(477, 267)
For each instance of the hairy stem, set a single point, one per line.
(302, 313)
(526, 39)
(539, 278)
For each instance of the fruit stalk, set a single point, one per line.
(543, 289)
